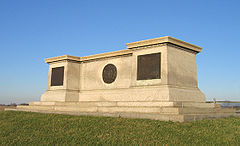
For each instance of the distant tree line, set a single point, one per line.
(13, 104)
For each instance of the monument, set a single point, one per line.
(154, 79)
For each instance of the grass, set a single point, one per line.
(23, 128)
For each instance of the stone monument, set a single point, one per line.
(154, 79)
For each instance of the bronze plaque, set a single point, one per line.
(57, 76)
(109, 73)
(149, 66)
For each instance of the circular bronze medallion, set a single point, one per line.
(109, 73)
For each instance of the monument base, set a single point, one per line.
(166, 111)
(160, 93)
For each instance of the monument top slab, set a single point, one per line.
(166, 39)
(64, 57)
(90, 57)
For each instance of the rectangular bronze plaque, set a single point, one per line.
(149, 66)
(57, 76)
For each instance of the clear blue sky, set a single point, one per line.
(31, 30)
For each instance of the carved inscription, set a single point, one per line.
(149, 66)
(109, 73)
(57, 76)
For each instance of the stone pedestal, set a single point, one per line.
(154, 79)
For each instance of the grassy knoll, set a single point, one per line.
(24, 128)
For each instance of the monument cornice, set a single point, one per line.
(106, 55)
(89, 58)
(162, 40)
(61, 58)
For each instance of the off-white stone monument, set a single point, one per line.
(155, 79)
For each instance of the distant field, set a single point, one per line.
(3, 107)
(23, 128)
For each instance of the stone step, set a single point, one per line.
(198, 104)
(134, 109)
(41, 103)
(165, 110)
(106, 109)
(35, 107)
(205, 110)
(163, 117)
(153, 116)
(125, 103)
(102, 103)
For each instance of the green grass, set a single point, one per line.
(23, 128)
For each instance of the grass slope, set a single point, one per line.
(23, 128)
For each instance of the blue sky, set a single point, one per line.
(31, 30)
